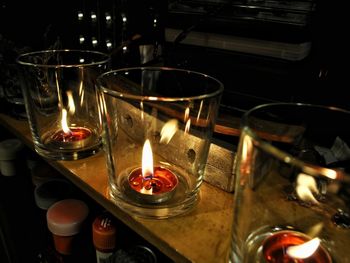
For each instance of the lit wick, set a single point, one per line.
(291, 246)
(151, 184)
(70, 137)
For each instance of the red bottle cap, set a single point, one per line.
(104, 233)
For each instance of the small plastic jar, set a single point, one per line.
(64, 220)
(9, 153)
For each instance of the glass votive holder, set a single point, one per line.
(292, 194)
(59, 90)
(158, 124)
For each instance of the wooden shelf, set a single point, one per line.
(203, 235)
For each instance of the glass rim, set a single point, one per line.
(219, 90)
(308, 168)
(105, 58)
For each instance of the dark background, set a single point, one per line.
(249, 79)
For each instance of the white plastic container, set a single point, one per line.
(9, 152)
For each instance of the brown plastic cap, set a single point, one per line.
(104, 233)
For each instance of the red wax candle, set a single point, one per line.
(275, 248)
(75, 134)
(75, 138)
(156, 188)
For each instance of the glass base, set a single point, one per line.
(257, 248)
(155, 211)
(180, 203)
(67, 155)
(254, 244)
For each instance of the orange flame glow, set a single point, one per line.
(147, 165)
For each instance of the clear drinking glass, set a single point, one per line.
(158, 124)
(61, 101)
(292, 194)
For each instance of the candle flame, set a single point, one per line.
(306, 187)
(64, 123)
(147, 161)
(168, 131)
(304, 250)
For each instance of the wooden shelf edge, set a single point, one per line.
(201, 235)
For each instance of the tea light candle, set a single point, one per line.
(290, 247)
(70, 137)
(74, 138)
(151, 184)
(160, 188)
